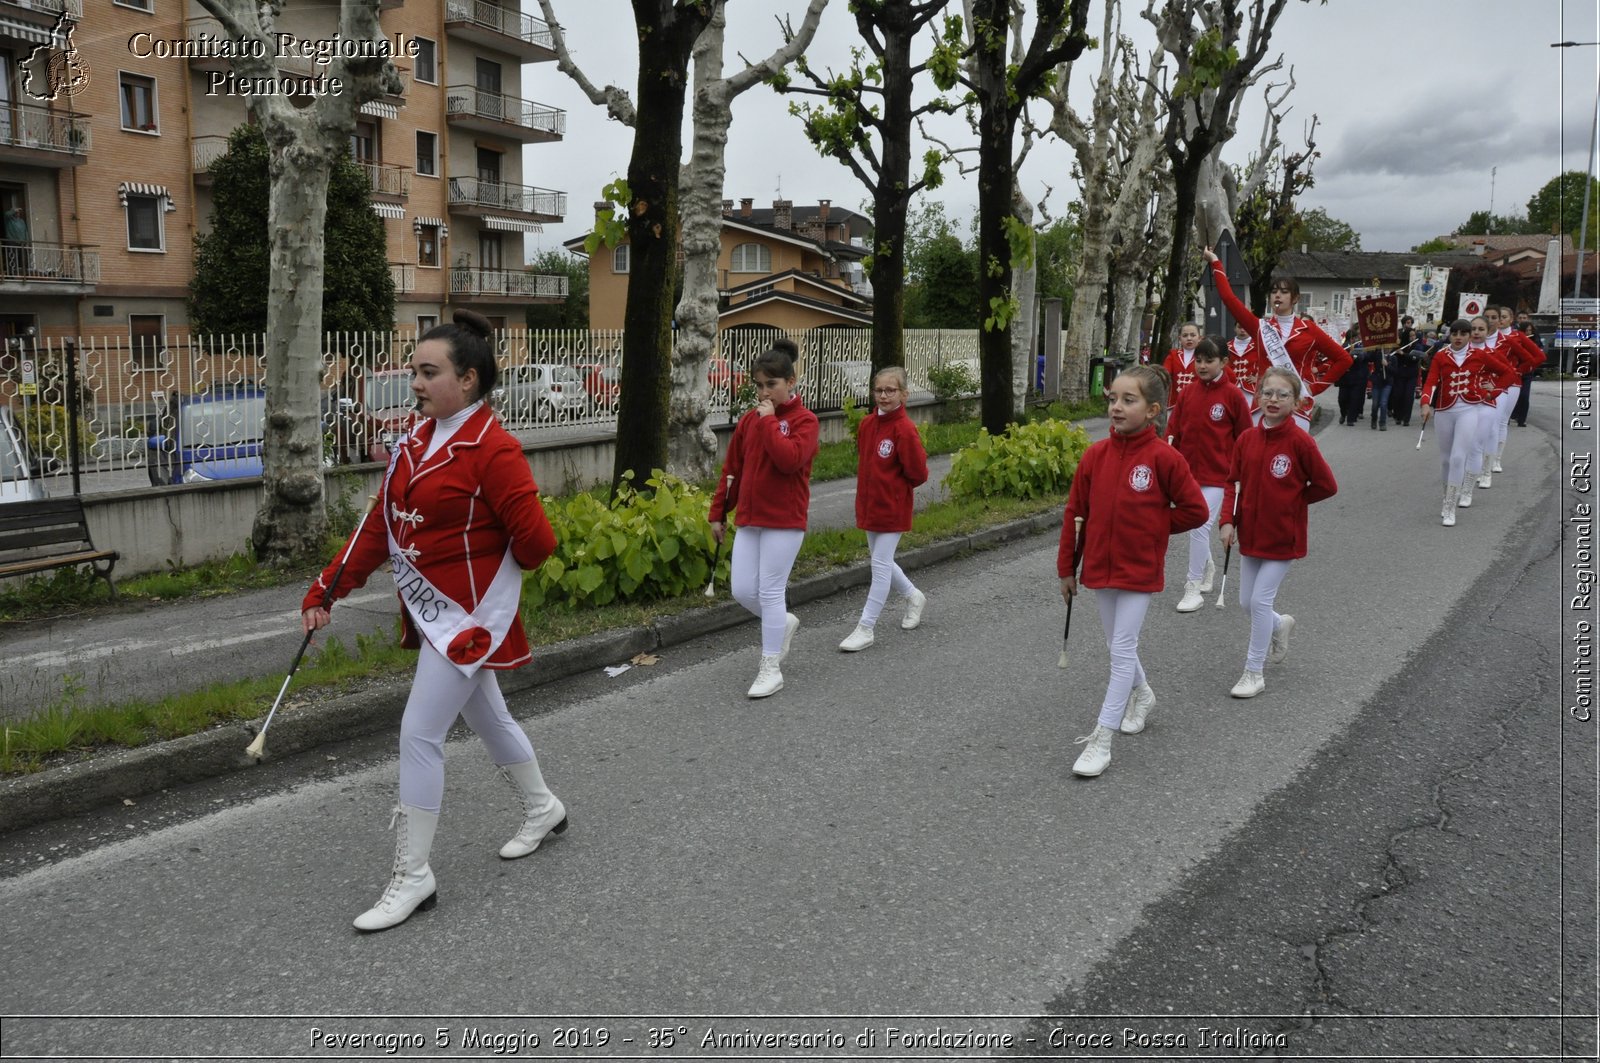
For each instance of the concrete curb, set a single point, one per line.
(73, 789)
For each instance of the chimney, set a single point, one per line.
(727, 208)
(745, 207)
(823, 206)
(782, 214)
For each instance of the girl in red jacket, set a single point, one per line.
(459, 520)
(769, 468)
(1277, 472)
(890, 464)
(1131, 492)
(1242, 366)
(1180, 361)
(1204, 424)
(1457, 399)
(1523, 356)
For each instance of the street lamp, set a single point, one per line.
(1583, 224)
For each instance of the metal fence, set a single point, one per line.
(140, 400)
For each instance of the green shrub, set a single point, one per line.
(638, 547)
(954, 380)
(1029, 461)
(45, 428)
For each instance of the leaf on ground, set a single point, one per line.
(646, 659)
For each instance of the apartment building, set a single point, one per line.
(112, 111)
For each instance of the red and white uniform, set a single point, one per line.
(1242, 367)
(769, 459)
(1517, 351)
(890, 464)
(1134, 492)
(452, 518)
(1318, 358)
(1204, 425)
(1280, 472)
(1180, 366)
(1470, 376)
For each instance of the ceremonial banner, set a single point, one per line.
(1425, 299)
(1378, 318)
(1471, 304)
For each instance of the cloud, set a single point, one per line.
(1443, 133)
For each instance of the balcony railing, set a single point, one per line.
(206, 150)
(471, 101)
(27, 126)
(467, 280)
(50, 263)
(405, 276)
(388, 180)
(53, 7)
(497, 195)
(507, 21)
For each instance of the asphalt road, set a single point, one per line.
(1361, 861)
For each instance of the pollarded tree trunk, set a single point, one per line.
(1025, 326)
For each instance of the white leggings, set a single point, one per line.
(1200, 538)
(1122, 615)
(1259, 580)
(1485, 437)
(1455, 429)
(885, 574)
(762, 558)
(439, 694)
(1503, 407)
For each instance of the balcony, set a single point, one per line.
(38, 136)
(390, 184)
(469, 107)
(507, 284)
(505, 29)
(48, 269)
(204, 151)
(41, 14)
(405, 277)
(471, 196)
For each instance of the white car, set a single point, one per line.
(544, 391)
(19, 470)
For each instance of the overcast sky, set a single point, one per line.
(1428, 110)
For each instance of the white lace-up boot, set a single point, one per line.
(1496, 467)
(411, 885)
(859, 639)
(1191, 600)
(1447, 516)
(1096, 755)
(791, 624)
(1279, 648)
(1140, 702)
(1249, 685)
(914, 603)
(1211, 575)
(1486, 480)
(1464, 499)
(543, 813)
(769, 680)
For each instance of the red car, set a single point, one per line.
(601, 382)
(723, 379)
(378, 409)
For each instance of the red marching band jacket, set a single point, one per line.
(1474, 378)
(452, 517)
(769, 461)
(1517, 351)
(1182, 373)
(890, 464)
(1277, 473)
(1318, 359)
(1242, 367)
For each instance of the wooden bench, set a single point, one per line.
(48, 534)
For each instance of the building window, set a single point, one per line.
(137, 5)
(138, 103)
(426, 322)
(427, 154)
(1337, 301)
(425, 69)
(619, 259)
(148, 336)
(144, 223)
(428, 246)
(751, 258)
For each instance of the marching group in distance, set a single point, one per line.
(1217, 436)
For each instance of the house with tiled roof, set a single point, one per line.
(792, 268)
(1326, 277)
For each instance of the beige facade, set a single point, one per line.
(787, 268)
(112, 173)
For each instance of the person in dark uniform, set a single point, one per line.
(1380, 370)
(1407, 363)
(1353, 385)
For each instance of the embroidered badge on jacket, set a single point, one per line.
(1140, 478)
(885, 447)
(1217, 411)
(1280, 465)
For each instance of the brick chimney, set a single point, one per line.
(782, 214)
(823, 207)
(727, 208)
(745, 207)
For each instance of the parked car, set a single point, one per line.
(20, 471)
(723, 378)
(377, 410)
(211, 435)
(543, 391)
(602, 383)
(841, 378)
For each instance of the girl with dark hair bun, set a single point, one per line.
(766, 480)
(460, 521)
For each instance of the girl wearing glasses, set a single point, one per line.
(1132, 492)
(890, 464)
(1456, 397)
(769, 468)
(1277, 473)
(1282, 339)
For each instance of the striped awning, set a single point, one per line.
(511, 225)
(388, 210)
(136, 188)
(10, 27)
(379, 109)
(422, 219)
